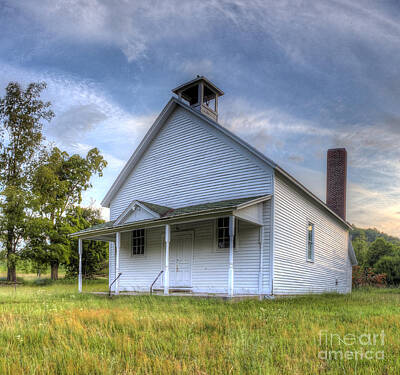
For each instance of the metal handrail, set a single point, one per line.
(109, 290)
(151, 287)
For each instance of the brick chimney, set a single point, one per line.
(336, 177)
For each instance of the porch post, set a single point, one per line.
(80, 265)
(260, 274)
(166, 270)
(231, 239)
(117, 247)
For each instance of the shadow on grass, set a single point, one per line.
(47, 281)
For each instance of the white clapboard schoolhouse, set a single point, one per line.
(198, 210)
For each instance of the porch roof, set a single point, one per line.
(168, 214)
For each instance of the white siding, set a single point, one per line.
(111, 264)
(139, 271)
(292, 273)
(267, 219)
(246, 258)
(190, 162)
(209, 265)
(138, 214)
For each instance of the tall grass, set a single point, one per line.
(54, 330)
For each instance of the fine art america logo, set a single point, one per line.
(367, 346)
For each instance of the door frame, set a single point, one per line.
(191, 256)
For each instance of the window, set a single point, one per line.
(138, 242)
(310, 242)
(223, 233)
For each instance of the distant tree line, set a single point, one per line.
(378, 256)
(41, 189)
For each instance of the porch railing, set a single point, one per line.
(109, 290)
(155, 280)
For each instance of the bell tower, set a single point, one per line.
(202, 95)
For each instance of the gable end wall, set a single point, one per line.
(190, 162)
(292, 273)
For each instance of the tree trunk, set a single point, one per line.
(11, 274)
(11, 267)
(54, 271)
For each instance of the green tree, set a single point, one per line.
(36, 243)
(361, 247)
(379, 248)
(22, 113)
(58, 185)
(94, 253)
(390, 265)
(371, 234)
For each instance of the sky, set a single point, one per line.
(299, 77)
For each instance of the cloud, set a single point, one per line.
(374, 208)
(84, 111)
(130, 26)
(86, 117)
(271, 130)
(196, 66)
(112, 162)
(306, 76)
(369, 145)
(296, 27)
(300, 147)
(76, 121)
(296, 158)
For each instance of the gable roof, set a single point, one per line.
(151, 134)
(95, 228)
(160, 210)
(230, 203)
(171, 213)
(153, 210)
(157, 125)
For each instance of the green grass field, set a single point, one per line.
(51, 329)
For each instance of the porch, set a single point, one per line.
(210, 250)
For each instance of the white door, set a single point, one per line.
(180, 260)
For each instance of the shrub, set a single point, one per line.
(390, 265)
(367, 277)
(378, 249)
